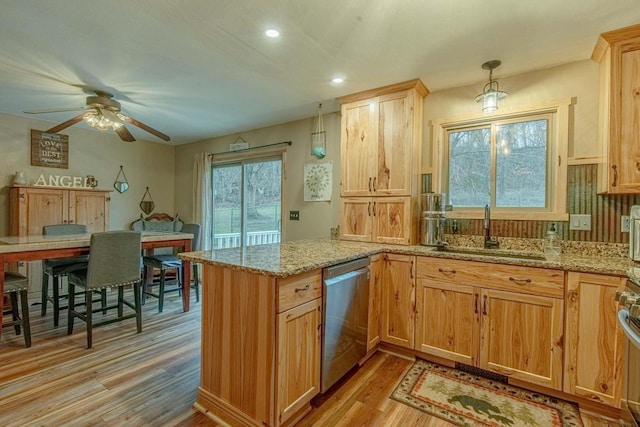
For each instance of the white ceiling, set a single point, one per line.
(197, 69)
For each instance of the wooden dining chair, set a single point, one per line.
(60, 268)
(114, 261)
(17, 285)
(167, 262)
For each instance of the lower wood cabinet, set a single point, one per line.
(595, 342)
(261, 346)
(492, 317)
(299, 341)
(447, 320)
(398, 300)
(375, 301)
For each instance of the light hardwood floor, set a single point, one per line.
(150, 379)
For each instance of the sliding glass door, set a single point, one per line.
(247, 200)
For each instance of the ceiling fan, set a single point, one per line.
(102, 112)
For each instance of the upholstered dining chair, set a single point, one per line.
(16, 284)
(59, 268)
(114, 261)
(167, 262)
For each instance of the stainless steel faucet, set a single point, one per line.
(489, 243)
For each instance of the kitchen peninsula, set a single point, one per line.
(262, 318)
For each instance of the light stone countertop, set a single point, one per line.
(294, 257)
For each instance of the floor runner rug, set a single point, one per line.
(469, 400)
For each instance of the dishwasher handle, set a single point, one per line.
(623, 319)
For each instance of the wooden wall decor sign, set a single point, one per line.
(49, 149)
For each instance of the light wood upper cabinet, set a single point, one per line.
(398, 299)
(502, 318)
(379, 146)
(377, 219)
(618, 53)
(595, 341)
(31, 208)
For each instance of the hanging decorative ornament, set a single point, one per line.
(146, 204)
(319, 138)
(121, 185)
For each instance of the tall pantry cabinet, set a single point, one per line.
(31, 208)
(381, 139)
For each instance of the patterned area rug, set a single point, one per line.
(468, 400)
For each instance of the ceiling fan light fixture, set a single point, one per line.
(491, 92)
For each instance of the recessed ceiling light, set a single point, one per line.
(338, 80)
(271, 32)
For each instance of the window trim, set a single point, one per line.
(559, 146)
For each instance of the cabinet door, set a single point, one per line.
(522, 336)
(392, 220)
(299, 336)
(593, 366)
(375, 300)
(625, 148)
(356, 219)
(358, 147)
(398, 296)
(39, 207)
(447, 320)
(395, 145)
(89, 208)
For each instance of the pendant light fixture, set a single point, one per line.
(491, 92)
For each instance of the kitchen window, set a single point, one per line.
(247, 201)
(514, 162)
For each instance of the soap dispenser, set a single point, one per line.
(551, 243)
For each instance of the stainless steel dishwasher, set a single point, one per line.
(346, 316)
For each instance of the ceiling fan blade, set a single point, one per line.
(54, 110)
(124, 133)
(66, 124)
(145, 127)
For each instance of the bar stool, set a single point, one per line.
(14, 285)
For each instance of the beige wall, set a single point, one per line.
(316, 218)
(91, 153)
(577, 79)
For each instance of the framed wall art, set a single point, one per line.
(49, 149)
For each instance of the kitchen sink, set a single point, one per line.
(491, 253)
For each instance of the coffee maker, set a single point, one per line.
(432, 219)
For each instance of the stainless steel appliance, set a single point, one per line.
(346, 317)
(432, 220)
(634, 233)
(629, 318)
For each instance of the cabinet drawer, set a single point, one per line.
(298, 289)
(528, 280)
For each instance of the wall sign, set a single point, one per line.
(318, 181)
(64, 181)
(49, 149)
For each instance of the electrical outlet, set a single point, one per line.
(625, 223)
(580, 222)
(294, 215)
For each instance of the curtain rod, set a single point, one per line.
(251, 148)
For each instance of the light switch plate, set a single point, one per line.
(294, 215)
(580, 222)
(625, 224)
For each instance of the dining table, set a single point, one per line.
(15, 249)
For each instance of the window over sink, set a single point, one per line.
(515, 162)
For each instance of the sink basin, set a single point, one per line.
(491, 253)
